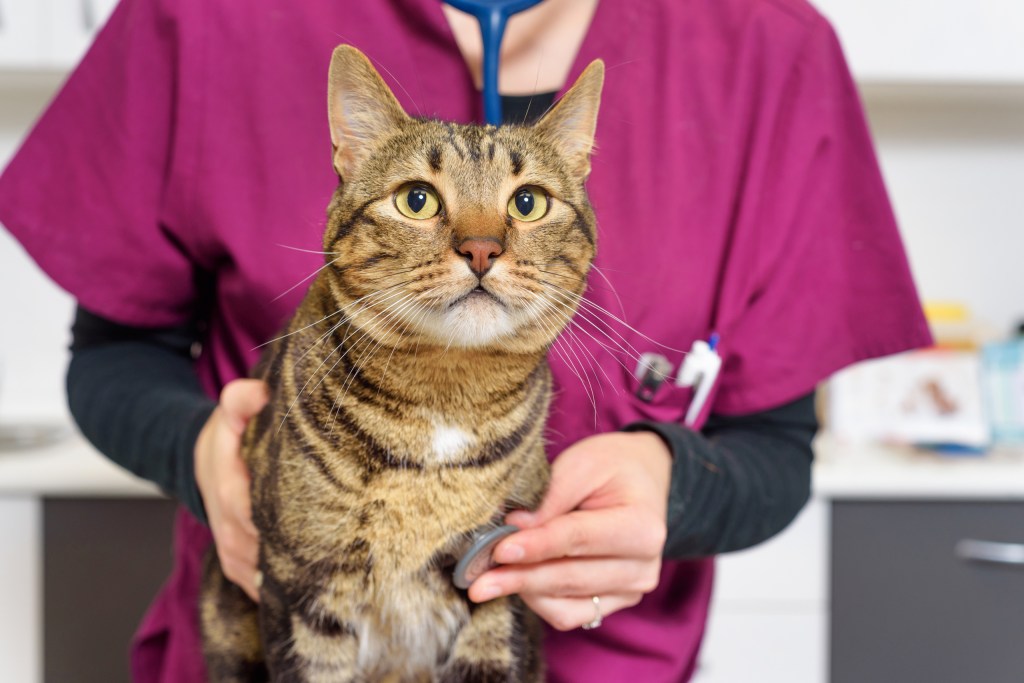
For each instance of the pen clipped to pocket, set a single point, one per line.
(700, 370)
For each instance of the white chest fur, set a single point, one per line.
(449, 442)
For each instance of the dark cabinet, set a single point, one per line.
(103, 561)
(907, 605)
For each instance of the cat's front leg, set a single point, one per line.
(500, 644)
(230, 629)
(304, 643)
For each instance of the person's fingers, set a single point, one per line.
(242, 575)
(233, 491)
(566, 614)
(617, 531)
(569, 579)
(224, 481)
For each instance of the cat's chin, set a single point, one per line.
(478, 319)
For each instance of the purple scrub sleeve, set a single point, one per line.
(88, 194)
(734, 182)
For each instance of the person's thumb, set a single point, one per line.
(241, 399)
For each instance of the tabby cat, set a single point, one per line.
(409, 395)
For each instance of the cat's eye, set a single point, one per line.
(528, 204)
(417, 201)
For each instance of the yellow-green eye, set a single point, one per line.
(528, 204)
(417, 201)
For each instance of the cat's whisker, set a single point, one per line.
(398, 320)
(594, 361)
(395, 313)
(307, 251)
(306, 279)
(301, 329)
(298, 394)
(601, 309)
(611, 287)
(584, 384)
(586, 375)
(572, 339)
(588, 283)
(585, 315)
(383, 296)
(340, 310)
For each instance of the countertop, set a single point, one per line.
(67, 467)
(71, 467)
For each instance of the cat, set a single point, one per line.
(409, 395)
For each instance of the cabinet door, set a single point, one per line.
(907, 607)
(103, 561)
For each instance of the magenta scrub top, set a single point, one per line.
(734, 181)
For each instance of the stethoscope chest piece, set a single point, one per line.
(477, 559)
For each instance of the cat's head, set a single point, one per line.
(460, 235)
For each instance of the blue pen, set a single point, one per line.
(492, 15)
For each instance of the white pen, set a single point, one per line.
(700, 370)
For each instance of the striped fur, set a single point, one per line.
(407, 407)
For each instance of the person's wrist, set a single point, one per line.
(663, 431)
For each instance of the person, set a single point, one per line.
(736, 190)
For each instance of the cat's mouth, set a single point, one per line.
(478, 293)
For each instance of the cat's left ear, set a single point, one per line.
(360, 106)
(572, 121)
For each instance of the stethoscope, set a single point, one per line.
(492, 15)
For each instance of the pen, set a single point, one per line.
(700, 370)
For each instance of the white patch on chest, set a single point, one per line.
(448, 442)
(417, 631)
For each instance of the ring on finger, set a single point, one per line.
(596, 621)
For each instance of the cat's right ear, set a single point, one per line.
(360, 106)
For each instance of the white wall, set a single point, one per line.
(954, 161)
(34, 314)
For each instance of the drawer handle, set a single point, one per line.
(989, 551)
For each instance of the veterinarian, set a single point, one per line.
(736, 190)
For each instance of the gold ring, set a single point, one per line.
(597, 615)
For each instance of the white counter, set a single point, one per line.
(867, 470)
(70, 467)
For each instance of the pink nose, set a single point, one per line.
(480, 253)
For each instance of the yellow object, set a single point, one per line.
(952, 325)
(946, 312)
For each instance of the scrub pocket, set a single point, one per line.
(669, 402)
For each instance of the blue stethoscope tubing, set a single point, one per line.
(492, 15)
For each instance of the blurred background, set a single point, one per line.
(908, 564)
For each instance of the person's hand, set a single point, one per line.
(599, 531)
(223, 481)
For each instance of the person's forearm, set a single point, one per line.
(141, 405)
(741, 483)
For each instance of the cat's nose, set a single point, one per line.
(480, 253)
